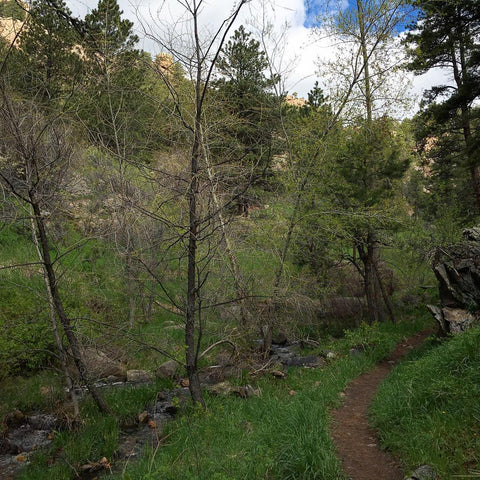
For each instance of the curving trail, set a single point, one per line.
(356, 442)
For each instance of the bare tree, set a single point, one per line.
(33, 165)
(197, 54)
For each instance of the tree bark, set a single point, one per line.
(368, 254)
(62, 354)
(59, 309)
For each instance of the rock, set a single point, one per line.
(143, 417)
(356, 351)
(425, 472)
(329, 355)
(6, 447)
(457, 320)
(457, 269)
(167, 370)
(100, 365)
(226, 389)
(452, 320)
(43, 422)
(14, 419)
(139, 376)
(26, 439)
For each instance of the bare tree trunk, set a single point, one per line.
(385, 296)
(58, 304)
(193, 193)
(62, 354)
(130, 289)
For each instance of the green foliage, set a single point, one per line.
(440, 185)
(108, 34)
(47, 64)
(11, 9)
(39, 392)
(117, 104)
(427, 411)
(247, 95)
(445, 34)
(275, 435)
(26, 342)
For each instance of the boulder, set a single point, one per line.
(167, 370)
(226, 389)
(457, 269)
(425, 472)
(139, 376)
(452, 320)
(100, 365)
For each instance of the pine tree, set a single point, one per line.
(246, 90)
(48, 63)
(446, 35)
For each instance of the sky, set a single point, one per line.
(292, 20)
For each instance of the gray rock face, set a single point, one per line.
(458, 273)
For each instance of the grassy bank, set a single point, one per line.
(281, 434)
(428, 410)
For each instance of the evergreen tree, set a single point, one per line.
(48, 63)
(246, 90)
(108, 34)
(446, 35)
(114, 107)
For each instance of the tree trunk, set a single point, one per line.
(58, 304)
(62, 354)
(369, 255)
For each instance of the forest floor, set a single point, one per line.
(356, 442)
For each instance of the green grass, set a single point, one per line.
(96, 437)
(276, 435)
(27, 394)
(428, 410)
(283, 433)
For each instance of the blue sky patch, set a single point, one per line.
(314, 7)
(312, 10)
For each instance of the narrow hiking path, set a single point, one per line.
(356, 442)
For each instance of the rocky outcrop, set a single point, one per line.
(457, 269)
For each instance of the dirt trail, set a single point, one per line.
(356, 443)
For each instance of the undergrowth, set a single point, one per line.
(428, 410)
(281, 434)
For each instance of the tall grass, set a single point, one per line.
(282, 434)
(428, 410)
